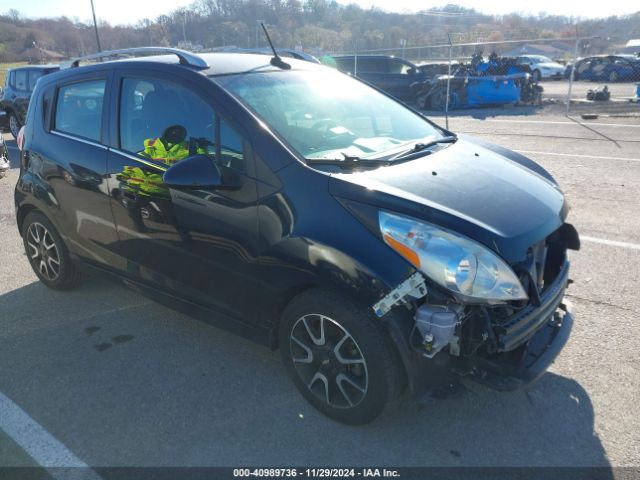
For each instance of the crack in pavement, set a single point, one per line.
(601, 302)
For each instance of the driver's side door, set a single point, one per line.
(197, 244)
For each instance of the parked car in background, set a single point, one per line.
(541, 67)
(606, 68)
(18, 87)
(392, 74)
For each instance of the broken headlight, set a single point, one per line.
(459, 264)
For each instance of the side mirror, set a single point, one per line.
(194, 172)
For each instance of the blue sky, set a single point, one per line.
(128, 11)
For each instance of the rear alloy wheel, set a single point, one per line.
(613, 77)
(14, 125)
(339, 359)
(47, 253)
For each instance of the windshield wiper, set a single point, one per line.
(349, 161)
(418, 148)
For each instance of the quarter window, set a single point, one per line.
(79, 109)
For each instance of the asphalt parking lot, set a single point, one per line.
(114, 379)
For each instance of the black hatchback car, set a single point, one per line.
(307, 211)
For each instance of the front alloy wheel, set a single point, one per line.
(329, 361)
(339, 356)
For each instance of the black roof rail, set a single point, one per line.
(186, 58)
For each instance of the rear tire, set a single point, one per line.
(47, 253)
(14, 125)
(339, 356)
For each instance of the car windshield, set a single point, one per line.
(329, 115)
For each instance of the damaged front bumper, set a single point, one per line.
(528, 342)
(525, 345)
(518, 368)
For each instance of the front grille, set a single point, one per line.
(522, 325)
(544, 262)
(544, 275)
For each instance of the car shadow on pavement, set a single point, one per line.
(173, 391)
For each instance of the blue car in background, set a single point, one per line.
(607, 68)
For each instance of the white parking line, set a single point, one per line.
(550, 122)
(556, 154)
(611, 243)
(47, 451)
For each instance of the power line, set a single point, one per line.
(95, 26)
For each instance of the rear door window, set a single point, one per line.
(79, 109)
(584, 66)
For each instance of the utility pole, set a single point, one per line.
(573, 72)
(446, 105)
(95, 26)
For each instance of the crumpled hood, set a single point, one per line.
(488, 193)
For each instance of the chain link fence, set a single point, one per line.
(572, 76)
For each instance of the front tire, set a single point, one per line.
(14, 125)
(47, 253)
(339, 356)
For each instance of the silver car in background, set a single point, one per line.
(542, 67)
